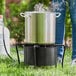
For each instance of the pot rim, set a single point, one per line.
(39, 12)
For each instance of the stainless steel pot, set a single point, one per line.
(40, 27)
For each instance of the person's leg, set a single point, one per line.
(72, 5)
(59, 6)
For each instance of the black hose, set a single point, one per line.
(5, 46)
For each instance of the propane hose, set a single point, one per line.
(7, 50)
(5, 46)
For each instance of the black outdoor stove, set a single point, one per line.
(40, 54)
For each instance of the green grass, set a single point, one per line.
(12, 68)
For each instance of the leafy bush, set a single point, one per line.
(16, 22)
(2, 6)
(33, 2)
(68, 25)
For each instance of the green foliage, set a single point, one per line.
(33, 2)
(68, 27)
(16, 27)
(2, 7)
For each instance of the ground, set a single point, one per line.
(12, 68)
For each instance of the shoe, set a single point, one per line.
(73, 62)
(59, 60)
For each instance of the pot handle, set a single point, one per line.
(23, 15)
(58, 14)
